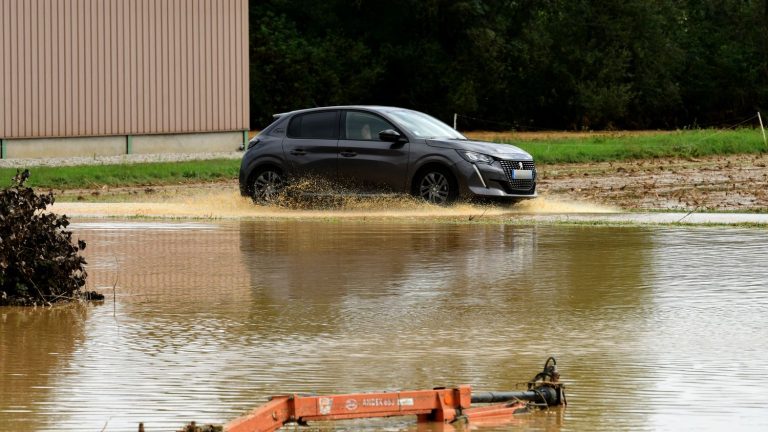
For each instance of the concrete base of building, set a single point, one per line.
(36, 148)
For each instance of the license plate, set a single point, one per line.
(522, 174)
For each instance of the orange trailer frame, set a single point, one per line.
(443, 405)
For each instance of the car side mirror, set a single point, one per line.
(391, 135)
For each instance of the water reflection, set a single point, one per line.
(329, 268)
(489, 301)
(204, 321)
(35, 346)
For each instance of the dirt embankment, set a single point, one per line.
(732, 183)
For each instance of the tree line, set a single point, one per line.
(522, 64)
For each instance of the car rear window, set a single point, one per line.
(324, 125)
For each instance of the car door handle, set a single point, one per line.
(298, 152)
(348, 154)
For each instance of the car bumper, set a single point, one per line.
(493, 181)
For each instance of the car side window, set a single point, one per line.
(323, 125)
(363, 126)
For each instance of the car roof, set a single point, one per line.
(376, 108)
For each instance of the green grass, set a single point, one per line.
(598, 148)
(149, 174)
(648, 146)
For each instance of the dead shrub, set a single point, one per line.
(39, 264)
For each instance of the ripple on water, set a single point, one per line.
(653, 328)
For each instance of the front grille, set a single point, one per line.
(517, 184)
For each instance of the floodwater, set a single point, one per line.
(654, 328)
(228, 204)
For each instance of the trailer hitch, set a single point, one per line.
(445, 405)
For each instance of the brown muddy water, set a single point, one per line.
(654, 328)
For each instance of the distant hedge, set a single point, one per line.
(524, 65)
(39, 264)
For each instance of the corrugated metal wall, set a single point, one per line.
(122, 67)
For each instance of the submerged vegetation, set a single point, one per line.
(39, 264)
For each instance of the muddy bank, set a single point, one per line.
(717, 183)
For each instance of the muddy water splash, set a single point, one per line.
(226, 205)
(333, 203)
(311, 193)
(544, 205)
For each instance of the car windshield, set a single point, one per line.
(424, 126)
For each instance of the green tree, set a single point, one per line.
(516, 63)
(726, 51)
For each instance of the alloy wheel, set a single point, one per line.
(435, 188)
(267, 185)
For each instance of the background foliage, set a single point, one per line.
(524, 64)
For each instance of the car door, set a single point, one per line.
(311, 143)
(366, 160)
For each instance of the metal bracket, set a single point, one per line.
(128, 144)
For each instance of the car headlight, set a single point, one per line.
(475, 157)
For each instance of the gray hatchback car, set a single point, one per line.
(384, 149)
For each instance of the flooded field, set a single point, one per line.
(654, 328)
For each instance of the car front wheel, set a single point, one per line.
(267, 185)
(436, 187)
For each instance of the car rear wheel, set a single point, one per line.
(267, 185)
(436, 186)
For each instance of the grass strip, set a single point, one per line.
(603, 148)
(579, 149)
(149, 174)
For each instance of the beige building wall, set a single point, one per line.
(74, 68)
(200, 142)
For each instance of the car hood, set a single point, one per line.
(501, 151)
